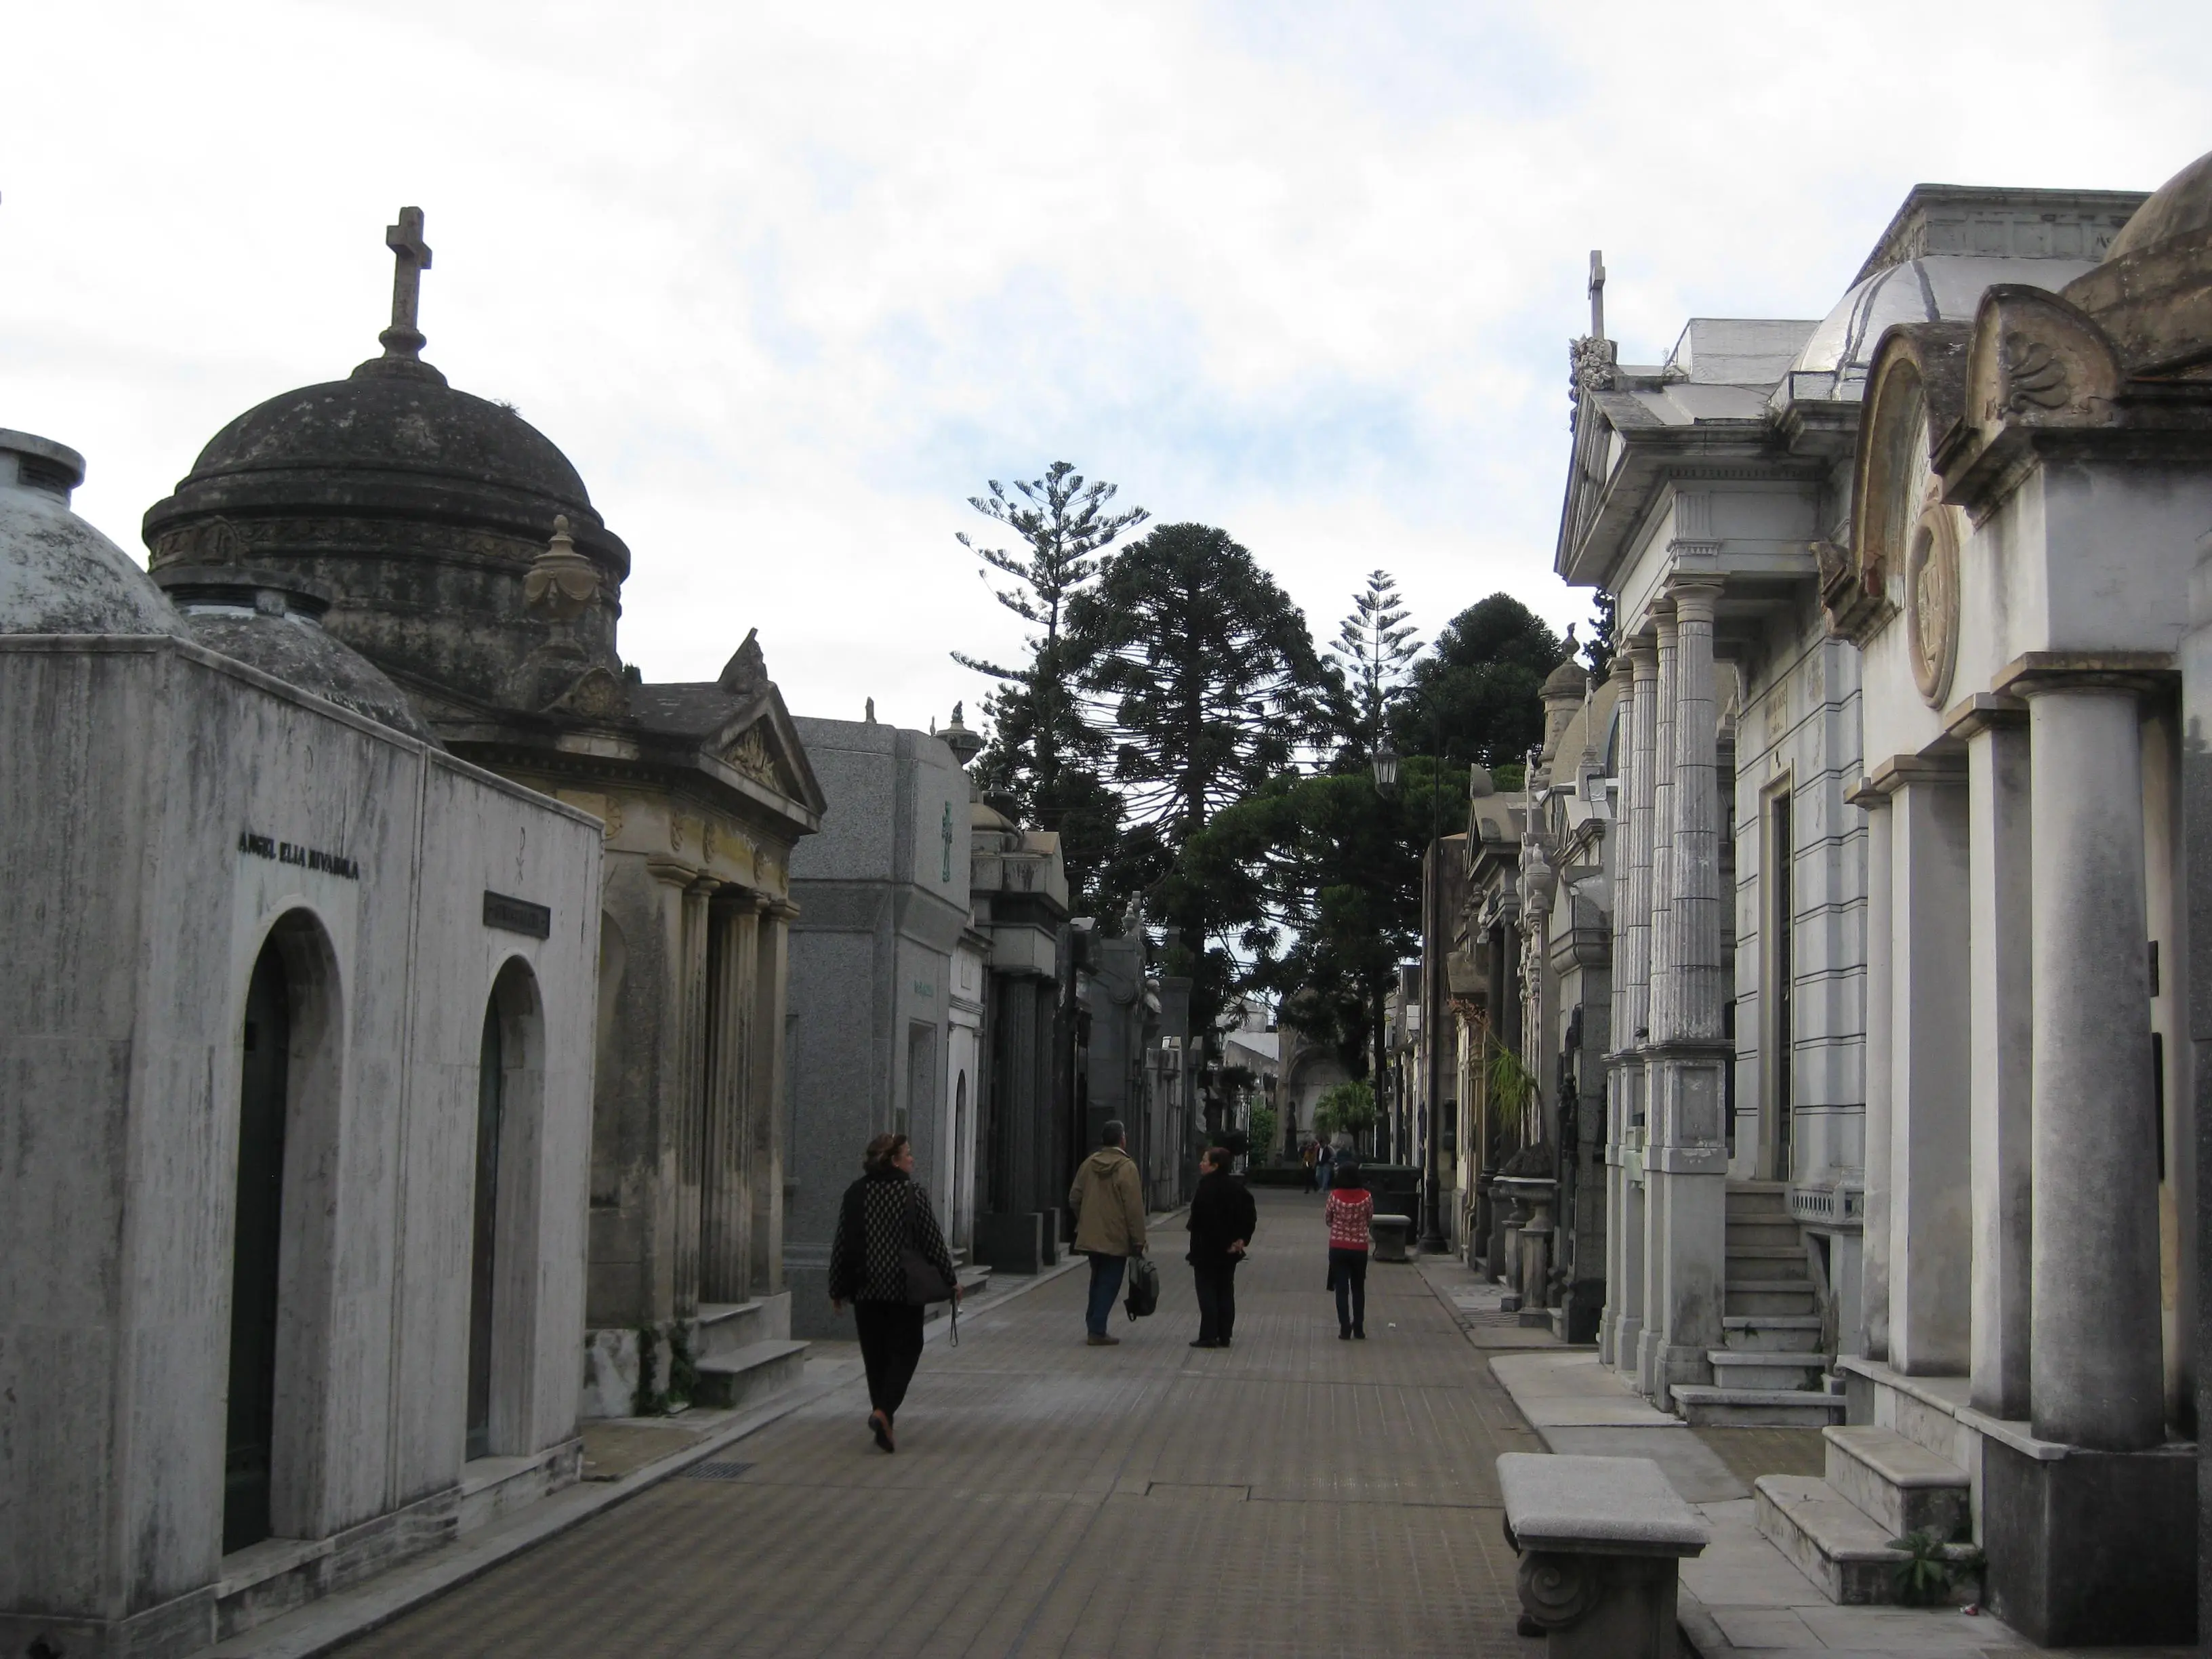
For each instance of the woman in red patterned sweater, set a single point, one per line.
(1349, 1208)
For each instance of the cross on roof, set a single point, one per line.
(1597, 293)
(410, 258)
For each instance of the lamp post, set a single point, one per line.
(1433, 969)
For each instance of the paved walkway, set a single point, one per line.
(1293, 1495)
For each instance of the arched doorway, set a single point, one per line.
(491, 1093)
(249, 1447)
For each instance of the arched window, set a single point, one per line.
(256, 1237)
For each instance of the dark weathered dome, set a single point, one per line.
(58, 575)
(2181, 206)
(396, 441)
(273, 622)
(2153, 292)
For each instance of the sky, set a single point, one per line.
(788, 284)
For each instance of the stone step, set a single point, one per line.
(1776, 1232)
(1760, 1201)
(749, 1375)
(1718, 1407)
(1745, 1296)
(1835, 1544)
(1737, 1368)
(726, 1327)
(1768, 1261)
(1900, 1486)
(1771, 1332)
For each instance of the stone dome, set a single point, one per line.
(1569, 679)
(2182, 206)
(273, 622)
(2153, 293)
(58, 575)
(1935, 288)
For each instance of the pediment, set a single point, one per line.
(760, 745)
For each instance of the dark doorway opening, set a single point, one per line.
(1786, 987)
(251, 1410)
(491, 1092)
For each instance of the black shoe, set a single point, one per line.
(1358, 1336)
(1344, 1335)
(1203, 1343)
(879, 1425)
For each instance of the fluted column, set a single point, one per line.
(1617, 1100)
(1697, 992)
(1659, 972)
(768, 1113)
(726, 1198)
(1873, 1337)
(689, 1096)
(1634, 1031)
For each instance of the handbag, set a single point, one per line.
(925, 1280)
(1144, 1288)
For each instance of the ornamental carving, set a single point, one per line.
(2034, 375)
(750, 754)
(1557, 1590)
(1931, 598)
(1590, 367)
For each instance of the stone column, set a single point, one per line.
(726, 1197)
(1617, 1105)
(771, 976)
(1687, 1164)
(2196, 926)
(2095, 1375)
(688, 1121)
(1872, 1338)
(1659, 883)
(1930, 1189)
(1999, 831)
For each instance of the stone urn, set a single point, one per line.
(1528, 1236)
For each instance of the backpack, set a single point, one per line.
(1144, 1288)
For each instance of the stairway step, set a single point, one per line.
(1747, 1297)
(1704, 1406)
(1835, 1545)
(1899, 1486)
(1738, 1369)
(1765, 1256)
(1767, 1230)
(1791, 1332)
(726, 1327)
(748, 1374)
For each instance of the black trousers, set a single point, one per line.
(890, 1348)
(1217, 1299)
(1347, 1271)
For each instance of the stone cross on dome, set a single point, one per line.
(410, 258)
(1596, 293)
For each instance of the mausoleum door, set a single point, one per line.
(252, 1408)
(491, 1075)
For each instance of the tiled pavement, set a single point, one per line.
(1293, 1495)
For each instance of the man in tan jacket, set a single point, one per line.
(1107, 1204)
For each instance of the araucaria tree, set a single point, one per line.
(1207, 679)
(1479, 692)
(1374, 644)
(1043, 754)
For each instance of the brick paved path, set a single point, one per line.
(1293, 1495)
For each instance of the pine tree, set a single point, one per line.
(1043, 754)
(1373, 645)
(1479, 692)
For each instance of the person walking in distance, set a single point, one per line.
(885, 1228)
(1348, 1211)
(1222, 1217)
(1325, 1161)
(1109, 1207)
(1310, 1155)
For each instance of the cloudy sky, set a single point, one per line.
(789, 283)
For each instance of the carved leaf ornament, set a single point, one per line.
(750, 754)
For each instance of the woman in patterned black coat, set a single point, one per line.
(884, 1215)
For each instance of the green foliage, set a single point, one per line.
(1374, 644)
(1043, 755)
(1930, 1568)
(1261, 1132)
(1348, 1109)
(1480, 691)
(1207, 682)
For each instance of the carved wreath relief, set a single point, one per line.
(1931, 598)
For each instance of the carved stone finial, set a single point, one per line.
(562, 582)
(872, 711)
(746, 671)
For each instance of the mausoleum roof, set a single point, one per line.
(2153, 293)
(272, 621)
(2181, 206)
(58, 575)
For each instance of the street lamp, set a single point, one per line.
(1386, 771)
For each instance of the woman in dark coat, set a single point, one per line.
(1222, 1218)
(885, 1215)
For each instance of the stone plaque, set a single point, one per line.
(515, 915)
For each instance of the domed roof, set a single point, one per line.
(395, 440)
(272, 621)
(58, 575)
(2179, 206)
(1569, 679)
(1935, 288)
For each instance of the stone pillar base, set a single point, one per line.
(1625, 1338)
(1011, 1244)
(2092, 1548)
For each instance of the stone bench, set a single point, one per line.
(1599, 1539)
(1390, 1233)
